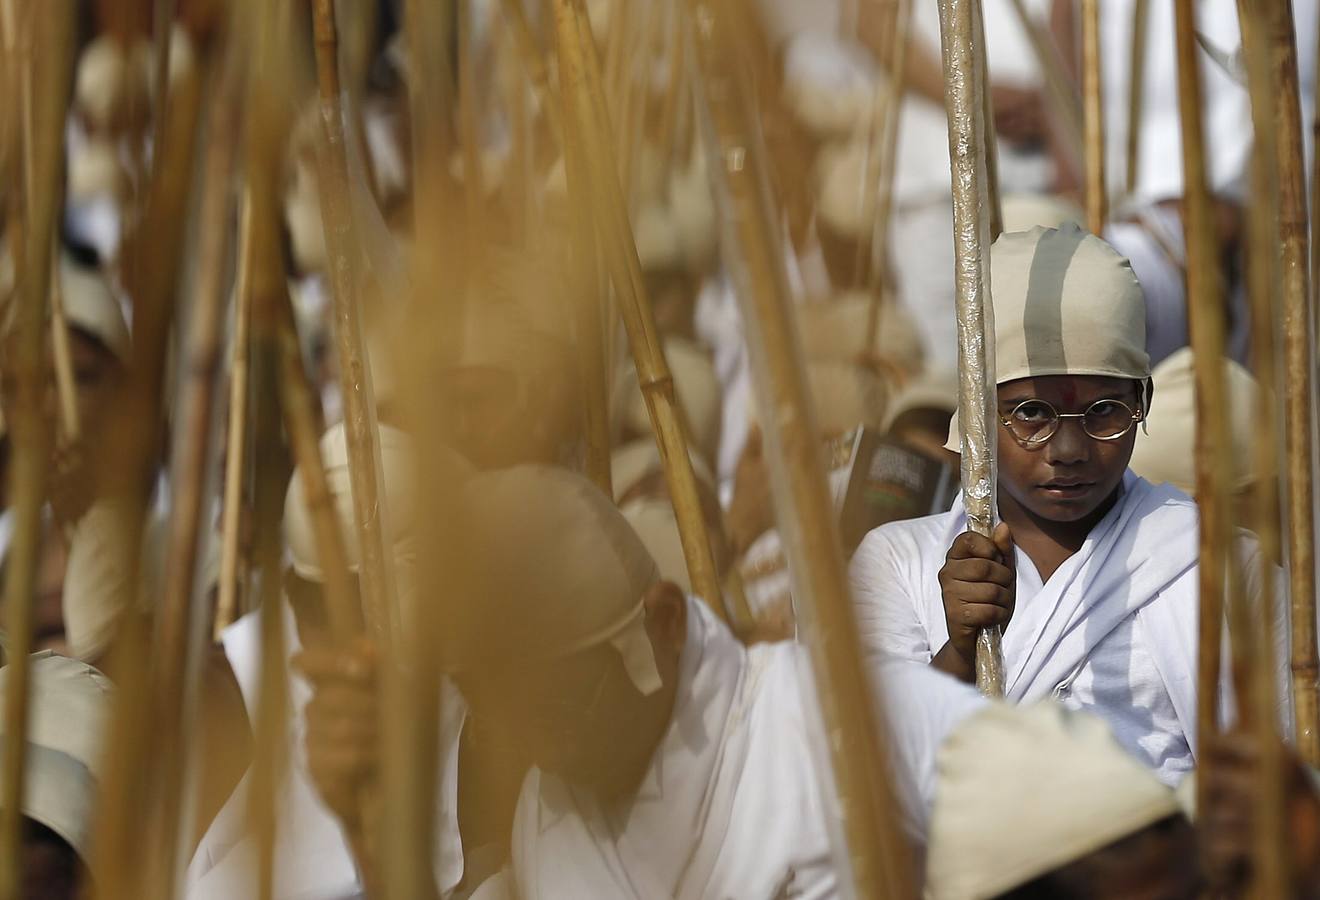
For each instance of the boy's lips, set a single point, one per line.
(1066, 488)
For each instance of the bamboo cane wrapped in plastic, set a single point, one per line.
(963, 69)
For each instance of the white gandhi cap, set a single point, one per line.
(1025, 790)
(557, 570)
(70, 708)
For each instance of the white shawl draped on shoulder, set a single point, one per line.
(1139, 561)
(730, 806)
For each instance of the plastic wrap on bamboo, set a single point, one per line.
(971, 236)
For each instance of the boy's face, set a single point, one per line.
(1069, 476)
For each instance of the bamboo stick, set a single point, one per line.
(431, 99)
(578, 74)
(1205, 312)
(376, 576)
(994, 203)
(354, 370)
(469, 116)
(534, 64)
(1251, 624)
(588, 320)
(413, 705)
(227, 602)
(877, 854)
(178, 618)
(1060, 89)
(976, 361)
(1136, 91)
(152, 256)
(52, 34)
(882, 273)
(269, 481)
(63, 354)
(1093, 112)
(1299, 375)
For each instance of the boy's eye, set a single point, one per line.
(1033, 413)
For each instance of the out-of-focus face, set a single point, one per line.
(1069, 476)
(96, 375)
(574, 717)
(581, 717)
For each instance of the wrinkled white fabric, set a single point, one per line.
(312, 857)
(1137, 570)
(732, 805)
(1227, 106)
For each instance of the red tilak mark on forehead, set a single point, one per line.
(1068, 394)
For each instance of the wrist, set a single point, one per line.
(951, 661)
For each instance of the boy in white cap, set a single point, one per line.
(669, 760)
(1093, 569)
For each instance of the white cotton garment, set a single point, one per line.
(732, 805)
(1227, 106)
(312, 856)
(1113, 631)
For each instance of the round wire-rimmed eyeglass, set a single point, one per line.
(1034, 422)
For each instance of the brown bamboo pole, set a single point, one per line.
(886, 166)
(1060, 89)
(589, 314)
(994, 203)
(269, 480)
(51, 69)
(534, 63)
(976, 361)
(227, 603)
(577, 72)
(1251, 623)
(413, 705)
(1206, 314)
(1137, 91)
(469, 116)
(359, 404)
(62, 354)
(152, 254)
(878, 856)
(1299, 374)
(177, 619)
(675, 90)
(1093, 114)
(375, 574)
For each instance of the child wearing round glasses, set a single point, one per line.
(1091, 570)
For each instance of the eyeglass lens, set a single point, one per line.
(1034, 421)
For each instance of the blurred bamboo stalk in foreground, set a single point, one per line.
(886, 164)
(232, 580)
(1298, 369)
(49, 71)
(345, 265)
(580, 86)
(1060, 90)
(1204, 293)
(179, 613)
(1251, 626)
(877, 859)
